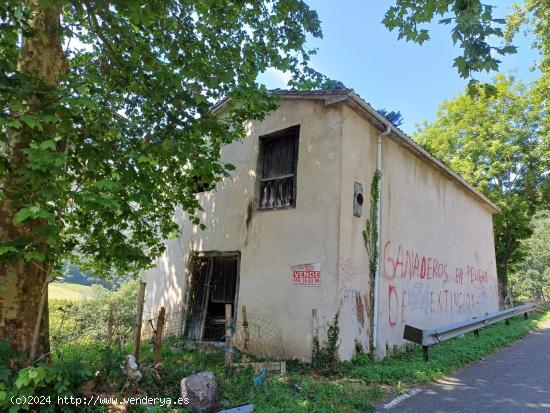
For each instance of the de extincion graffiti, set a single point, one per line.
(429, 285)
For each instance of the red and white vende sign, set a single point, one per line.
(308, 275)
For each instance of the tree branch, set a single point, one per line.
(99, 31)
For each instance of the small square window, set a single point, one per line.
(277, 165)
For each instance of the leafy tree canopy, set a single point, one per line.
(394, 117)
(106, 122)
(499, 145)
(534, 15)
(531, 278)
(476, 28)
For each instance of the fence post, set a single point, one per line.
(139, 321)
(41, 305)
(425, 353)
(228, 332)
(110, 322)
(158, 334)
(246, 334)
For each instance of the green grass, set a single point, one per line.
(355, 386)
(301, 391)
(358, 384)
(410, 368)
(69, 291)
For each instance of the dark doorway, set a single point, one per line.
(214, 283)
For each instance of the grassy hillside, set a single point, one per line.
(69, 291)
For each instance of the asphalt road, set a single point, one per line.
(513, 380)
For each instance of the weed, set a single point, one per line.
(410, 368)
(325, 358)
(325, 386)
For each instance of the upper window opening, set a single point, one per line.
(278, 163)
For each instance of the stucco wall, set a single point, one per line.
(437, 258)
(438, 261)
(358, 165)
(270, 242)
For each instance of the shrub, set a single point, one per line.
(325, 358)
(86, 321)
(42, 382)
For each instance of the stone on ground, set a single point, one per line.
(202, 391)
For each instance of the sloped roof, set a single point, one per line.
(343, 95)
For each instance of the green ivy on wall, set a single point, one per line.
(370, 237)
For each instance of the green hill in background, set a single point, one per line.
(72, 274)
(69, 291)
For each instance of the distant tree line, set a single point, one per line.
(73, 274)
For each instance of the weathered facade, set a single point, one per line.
(284, 232)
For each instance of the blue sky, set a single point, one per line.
(358, 50)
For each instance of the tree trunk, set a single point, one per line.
(42, 56)
(502, 276)
(19, 303)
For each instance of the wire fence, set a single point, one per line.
(173, 324)
(74, 328)
(73, 331)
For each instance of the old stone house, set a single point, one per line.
(284, 233)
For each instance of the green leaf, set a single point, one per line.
(47, 144)
(17, 407)
(33, 212)
(22, 379)
(14, 124)
(143, 159)
(423, 36)
(6, 250)
(34, 255)
(508, 49)
(107, 184)
(31, 121)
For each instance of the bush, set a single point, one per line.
(42, 382)
(325, 358)
(86, 321)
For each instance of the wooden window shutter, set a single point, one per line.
(278, 165)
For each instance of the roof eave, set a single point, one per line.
(401, 138)
(349, 97)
